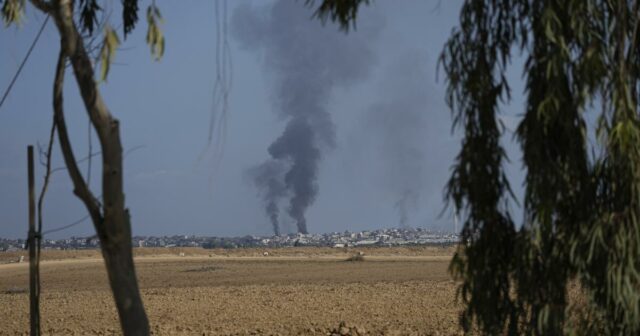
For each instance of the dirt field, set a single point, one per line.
(302, 291)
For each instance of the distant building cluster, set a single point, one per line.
(380, 237)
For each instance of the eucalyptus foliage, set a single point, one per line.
(89, 18)
(582, 198)
(12, 11)
(582, 202)
(344, 12)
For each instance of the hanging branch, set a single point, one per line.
(221, 86)
(89, 155)
(47, 175)
(80, 187)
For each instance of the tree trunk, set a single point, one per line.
(122, 277)
(111, 218)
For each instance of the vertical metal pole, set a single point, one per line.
(33, 267)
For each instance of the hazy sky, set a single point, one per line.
(391, 130)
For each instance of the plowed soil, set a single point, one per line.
(241, 292)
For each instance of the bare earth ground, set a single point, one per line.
(293, 291)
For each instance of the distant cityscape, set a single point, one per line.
(380, 237)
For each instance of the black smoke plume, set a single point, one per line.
(306, 62)
(406, 203)
(269, 179)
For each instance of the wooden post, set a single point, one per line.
(34, 287)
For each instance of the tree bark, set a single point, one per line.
(111, 218)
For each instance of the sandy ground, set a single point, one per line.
(241, 292)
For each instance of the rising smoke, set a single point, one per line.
(306, 62)
(405, 128)
(407, 202)
(269, 179)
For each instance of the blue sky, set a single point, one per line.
(164, 108)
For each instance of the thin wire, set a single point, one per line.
(24, 61)
(79, 221)
(86, 158)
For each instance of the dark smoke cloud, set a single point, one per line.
(306, 62)
(269, 179)
(407, 202)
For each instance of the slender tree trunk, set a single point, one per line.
(111, 218)
(122, 277)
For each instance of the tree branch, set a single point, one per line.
(111, 219)
(47, 175)
(42, 5)
(106, 126)
(80, 187)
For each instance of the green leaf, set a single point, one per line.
(108, 51)
(155, 38)
(13, 12)
(88, 15)
(129, 15)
